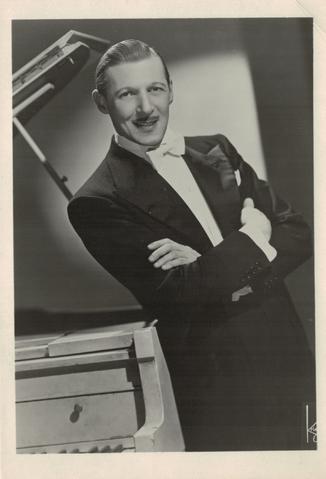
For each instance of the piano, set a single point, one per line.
(37, 82)
(104, 389)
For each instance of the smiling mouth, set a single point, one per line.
(148, 123)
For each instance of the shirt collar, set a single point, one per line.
(172, 143)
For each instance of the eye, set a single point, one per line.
(125, 94)
(156, 89)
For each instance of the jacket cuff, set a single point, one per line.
(257, 237)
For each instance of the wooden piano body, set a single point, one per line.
(103, 389)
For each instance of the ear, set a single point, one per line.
(171, 92)
(100, 101)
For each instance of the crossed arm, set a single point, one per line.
(129, 248)
(168, 254)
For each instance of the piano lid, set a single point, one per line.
(49, 72)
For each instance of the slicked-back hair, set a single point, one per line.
(124, 52)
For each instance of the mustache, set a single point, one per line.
(147, 118)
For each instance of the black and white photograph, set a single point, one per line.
(164, 236)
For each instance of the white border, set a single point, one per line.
(296, 465)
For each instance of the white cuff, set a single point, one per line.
(257, 237)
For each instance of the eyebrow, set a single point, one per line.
(133, 88)
(159, 83)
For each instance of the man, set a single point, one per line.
(204, 245)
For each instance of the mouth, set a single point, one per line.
(146, 124)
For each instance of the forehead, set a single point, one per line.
(135, 74)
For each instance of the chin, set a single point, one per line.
(149, 140)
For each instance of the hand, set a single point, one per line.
(167, 254)
(252, 216)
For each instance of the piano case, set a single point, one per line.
(95, 390)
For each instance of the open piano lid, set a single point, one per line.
(52, 70)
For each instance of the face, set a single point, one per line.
(138, 98)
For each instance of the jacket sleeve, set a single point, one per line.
(291, 236)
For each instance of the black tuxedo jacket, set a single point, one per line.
(231, 362)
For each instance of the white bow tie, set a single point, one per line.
(172, 144)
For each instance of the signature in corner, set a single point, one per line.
(313, 431)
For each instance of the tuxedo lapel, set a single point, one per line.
(215, 177)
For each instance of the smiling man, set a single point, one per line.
(137, 97)
(204, 245)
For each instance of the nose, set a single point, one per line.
(144, 104)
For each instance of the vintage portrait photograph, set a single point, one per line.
(163, 237)
(167, 277)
